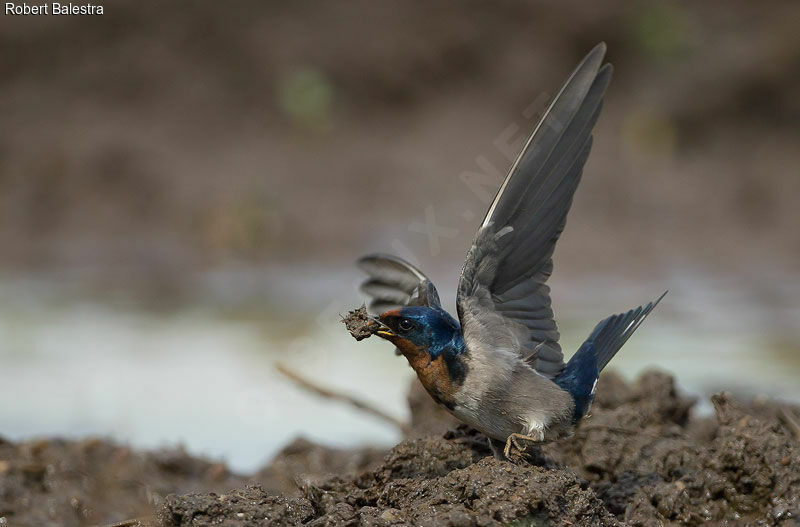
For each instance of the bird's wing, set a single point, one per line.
(503, 298)
(392, 283)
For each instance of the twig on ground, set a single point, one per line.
(785, 415)
(330, 394)
(136, 522)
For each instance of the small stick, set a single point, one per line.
(136, 522)
(330, 394)
(790, 421)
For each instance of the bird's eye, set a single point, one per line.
(405, 324)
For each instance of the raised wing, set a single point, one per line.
(394, 283)
(503, 288)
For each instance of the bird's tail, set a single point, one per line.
(580, 374)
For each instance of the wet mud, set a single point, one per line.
(640, 459)
(359, 323)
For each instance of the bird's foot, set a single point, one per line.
(520, 443)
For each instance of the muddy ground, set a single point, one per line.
(640, 459)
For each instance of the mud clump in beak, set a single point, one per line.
(360, 324)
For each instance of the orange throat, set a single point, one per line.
(433, 374)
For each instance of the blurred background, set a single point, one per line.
(185, 185)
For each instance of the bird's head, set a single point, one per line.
(421, 329)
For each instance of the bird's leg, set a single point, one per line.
(497, 448)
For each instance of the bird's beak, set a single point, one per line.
(384, 331)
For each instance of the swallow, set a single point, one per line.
(499, 367)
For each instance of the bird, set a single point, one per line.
(499, 367)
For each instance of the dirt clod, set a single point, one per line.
(359, 323)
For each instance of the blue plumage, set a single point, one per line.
(579, 379)
(432, 328)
